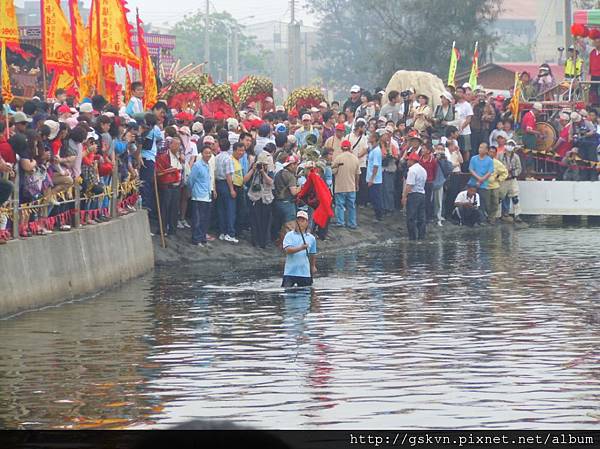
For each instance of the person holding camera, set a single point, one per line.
(467, 206)
(260, 198)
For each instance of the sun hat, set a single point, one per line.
(54, 128)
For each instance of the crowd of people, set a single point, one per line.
(247, 176)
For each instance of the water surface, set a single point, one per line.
(498, 330)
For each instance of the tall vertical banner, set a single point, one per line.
(474, 67)
(147, 68)
(57, 51)
(454, 58)
(9, 37)
(7, 95)
(516, 98)
(81, 51)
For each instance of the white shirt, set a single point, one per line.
(417, 177)
(464, 110)
(359, 148)
(463, 198)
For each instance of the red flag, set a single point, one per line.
(316, 194)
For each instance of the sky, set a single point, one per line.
(159, 11)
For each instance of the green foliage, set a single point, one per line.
(367, 41)
(190, 44)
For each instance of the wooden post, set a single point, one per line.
(114, 209)
(16, 204)
(77, 208)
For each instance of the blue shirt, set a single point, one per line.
(135, 106)
(374, 160)
(302, 134)
(297, 264)
(482, 167)
(156, 137)
(200, 182)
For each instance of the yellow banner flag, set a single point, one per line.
(454, 58)
(7, 95)
(516, 98)
(61, 80)
(81, 51)
(148, 72)
(474, 68)
(111, 32)
(9, 29)
(56, 38)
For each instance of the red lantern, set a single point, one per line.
(586, 32)
(577, 29)
(594, 33)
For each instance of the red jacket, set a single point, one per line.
(165, 174)
(430, 166)
(595, 62)
(6, 151)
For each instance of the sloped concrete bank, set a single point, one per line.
(49, 270)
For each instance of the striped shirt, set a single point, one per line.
(223, 166)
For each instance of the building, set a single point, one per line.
(273, 37)
(530, 31)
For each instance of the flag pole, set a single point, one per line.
(99, 43)
(43, 68)
(74, 44)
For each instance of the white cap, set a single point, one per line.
(355, 89)
(502, 134)
(302, 214)
(323, 104)
(92, 135)
(280, 108)
(54, 128)
(232, 124)
(197, 127)
(292, 139)
(575, 117)
(313, 109)
(538, 106)
(466, 86)
(306, 117)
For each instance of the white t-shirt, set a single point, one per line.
(464, 110)
(359, 148)
(463, 198)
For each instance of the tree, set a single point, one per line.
(372, 39)
(190, 44)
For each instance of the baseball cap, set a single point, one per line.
(208, 140)
(92, 135)
(340, 127)
(447, 95)
(232, 123)
(323, 104)
(313, 109)
(382, 118)
(413, 156)
(360, 121)
(306, 117)
(269, 100)
(281, 128)
(292, 140)
(280, 108)
(302, 214)
(355, 89)
(64, 109)
(21, 117)
(502, 134)
(537, 106)
(511, 142)
(346, 144)
(466, 86)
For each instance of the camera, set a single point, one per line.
(405, 93)
(482, 103)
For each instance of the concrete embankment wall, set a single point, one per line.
(42, 271)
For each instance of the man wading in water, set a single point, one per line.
(300, 248)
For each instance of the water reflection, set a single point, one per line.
(492, 331)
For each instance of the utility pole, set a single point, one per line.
(228, 53)
(291, 47)
(236, 54)
(568, 20)
(207, 39)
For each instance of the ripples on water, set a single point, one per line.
(493, 332)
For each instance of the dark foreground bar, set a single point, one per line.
(317, 439)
